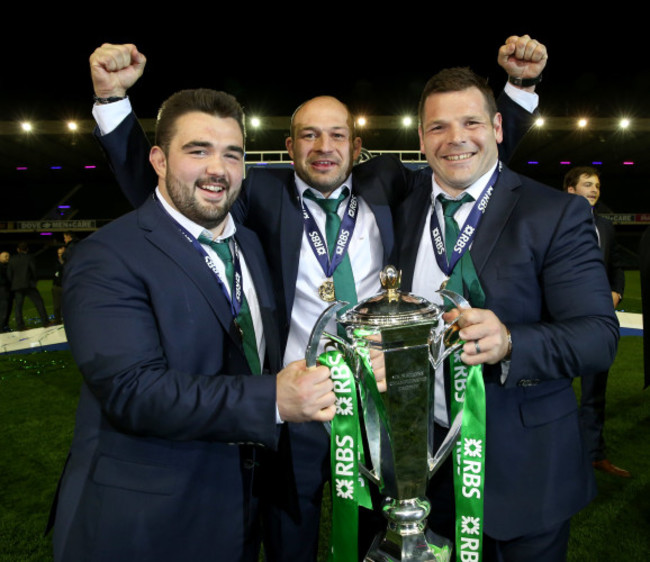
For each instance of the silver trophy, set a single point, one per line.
(414, 339)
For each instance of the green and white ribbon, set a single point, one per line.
(349, 488)
(468, 395)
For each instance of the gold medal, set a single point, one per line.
(326, 291)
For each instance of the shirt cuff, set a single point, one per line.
(505, 370)
(528, 100)
(109, 115)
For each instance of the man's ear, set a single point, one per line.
(289, 144)
(158, 161)
(497, 124)
(356, 148)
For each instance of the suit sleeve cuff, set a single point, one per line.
(528, 100)
(108, 116)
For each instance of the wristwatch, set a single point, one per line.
(524, 82)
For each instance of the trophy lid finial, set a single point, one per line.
(391, 279)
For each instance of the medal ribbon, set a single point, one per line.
(349, 488)
(467, 232)
(318, 242)
(468, 395)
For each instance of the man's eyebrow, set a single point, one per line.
(196, 144)
(207, 144)
(316, 128)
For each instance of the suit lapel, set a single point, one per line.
(499, 209)
(291, 232)
(164, 233)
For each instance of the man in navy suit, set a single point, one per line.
(585, 181)
(544, 316)
(175, 340)
(323, 146)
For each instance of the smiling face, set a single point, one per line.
(458, 138)
(588, 186)
(202, 171)
(322, 145)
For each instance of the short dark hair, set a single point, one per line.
(204, 100)
(572, 177)
(456, 80)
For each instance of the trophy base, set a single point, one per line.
(407, 537)
(419, 547)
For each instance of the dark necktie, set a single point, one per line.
(463, 279)
(343, 277)
(243, 320)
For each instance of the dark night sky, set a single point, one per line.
(273, 62)
(376, 61)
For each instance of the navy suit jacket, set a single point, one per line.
(611, 256)
(537, 258)
(155, 471)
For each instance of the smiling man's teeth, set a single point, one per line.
(214, 188)
(459, 156)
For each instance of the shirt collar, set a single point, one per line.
(196, 229)
(302, 186)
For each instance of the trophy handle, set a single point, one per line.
(370, 475)
(446, 446)
(440, 344)
(459, 300)
(446, 342)
(318, 331)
